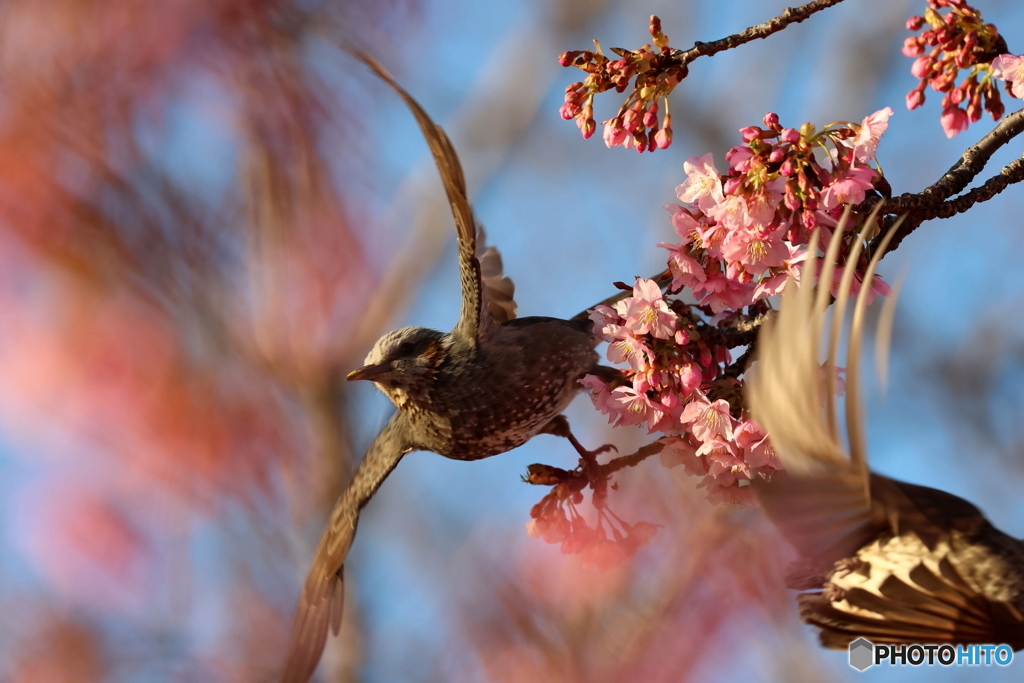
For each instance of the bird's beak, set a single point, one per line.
(367, 372)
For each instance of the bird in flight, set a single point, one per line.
(489, 385)
(878, 558)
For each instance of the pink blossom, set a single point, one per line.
(953, 120)
(732, 212)
(685, 224)
(742, 496)
(646, 311)
(708, 420)
(632, 407)
(598, 390)
(604, 554)
(606, 322)
(1011, 69)
(711, 237)
(754, 251)
(871, 130)
(686, 272)
(849, 187)
(702, 186)
(679, 451)
(627, 348)
(757, 450)
(878, 285)
(721, 293)
(770, 286)
(761, 206)
(723, 458)
(839, 381)
(614, 133)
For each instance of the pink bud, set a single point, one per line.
(921, 66)
(569, 110)
(682, 337)
(791, 199)
(614, 133)
(790, 135)
(587, 127)
(631, 120)
(651, 117)
(915, 23)
(788, 168)
(732, 185)
(771, 121)
(750, 133)
(915, 98)
(913, 46)
(722, 355)
(663, 138)
(777, 154)
(705, 354)
(641, 141)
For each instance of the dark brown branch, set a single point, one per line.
(729, 337)
(934, 201)
(792, 15)
(956, 178)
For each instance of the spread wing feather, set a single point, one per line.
(322, 600)
(487, 295)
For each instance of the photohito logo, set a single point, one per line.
(864, 654)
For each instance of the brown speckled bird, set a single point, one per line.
(489, 385)
(879, 558)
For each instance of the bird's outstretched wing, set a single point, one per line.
(822, 503)
(487, 295)
(322, 600)
(882, 559)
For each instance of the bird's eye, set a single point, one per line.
(405, 348)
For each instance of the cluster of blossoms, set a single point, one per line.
(609, 543)
(953, 41)
(680, 385)
(743, 233)
(637, 123)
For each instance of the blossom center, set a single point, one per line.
(757, 250)
(711, 418)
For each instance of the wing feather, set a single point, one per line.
(487, 296)
(322, 600)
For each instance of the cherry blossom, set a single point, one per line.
(1010, 68)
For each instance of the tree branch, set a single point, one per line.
(792, 15)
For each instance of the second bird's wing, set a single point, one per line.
(487, 295)
(822, 502)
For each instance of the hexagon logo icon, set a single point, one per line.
(862, 654)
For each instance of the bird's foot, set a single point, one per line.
(559, 426)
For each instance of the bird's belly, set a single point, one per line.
(488, 427)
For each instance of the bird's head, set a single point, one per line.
(403, 363)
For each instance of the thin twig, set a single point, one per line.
(792, 15)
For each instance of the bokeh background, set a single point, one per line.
(208, 213)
